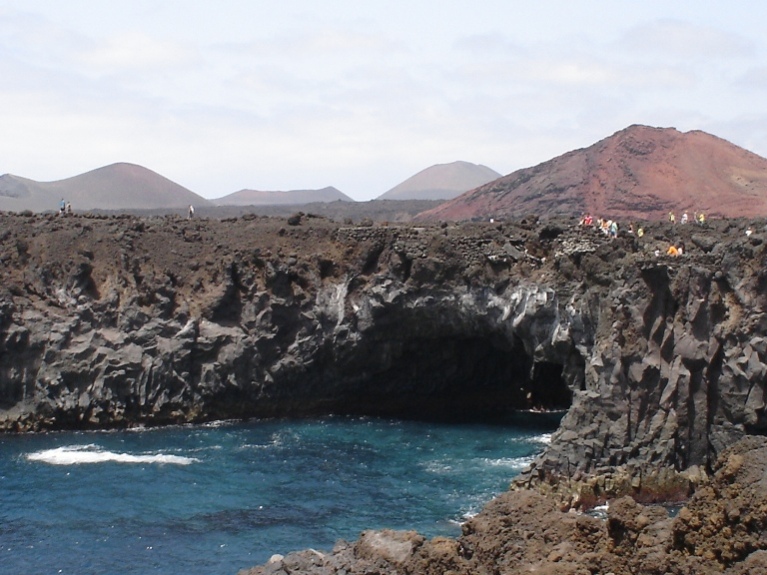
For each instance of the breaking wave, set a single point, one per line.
(544, 438)
(79, 454)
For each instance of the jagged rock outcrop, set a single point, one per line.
(675, 374)
(660, 361)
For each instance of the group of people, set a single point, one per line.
(607, 227)
(673, 250)
(610, 229)
(65, 207)
(698, 218)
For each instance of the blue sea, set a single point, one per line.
(213, 499)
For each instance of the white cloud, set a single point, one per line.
(490, 45)
(135, 51)
(677, 40)
(755, 77)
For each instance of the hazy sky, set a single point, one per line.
(362, 94)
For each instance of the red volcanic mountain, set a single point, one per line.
(640, 172)
(115, 187)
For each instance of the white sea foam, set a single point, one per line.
(77, 454)
(543, 438)
(220, 423)
(512, 462)
(275, 440)
(439, 467)
(447, 467)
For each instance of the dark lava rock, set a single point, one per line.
(659, 361)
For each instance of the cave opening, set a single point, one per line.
(452, 378)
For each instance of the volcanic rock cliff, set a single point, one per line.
(659, 361)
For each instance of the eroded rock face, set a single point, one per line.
(119, 321)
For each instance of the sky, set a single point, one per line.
(362, 94)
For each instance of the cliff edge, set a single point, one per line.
(659, 360)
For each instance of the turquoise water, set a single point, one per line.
(218, 498)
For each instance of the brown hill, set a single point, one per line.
(293, 197)
(639, 172)
(441, 182)
(115, 187)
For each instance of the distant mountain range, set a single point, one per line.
(441, 182)
(129, 187)
(639, 172)
(259, 198)
(115, 187)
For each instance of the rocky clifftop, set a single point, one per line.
(660, 361)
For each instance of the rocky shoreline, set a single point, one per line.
(720, 530)
(118, 321)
